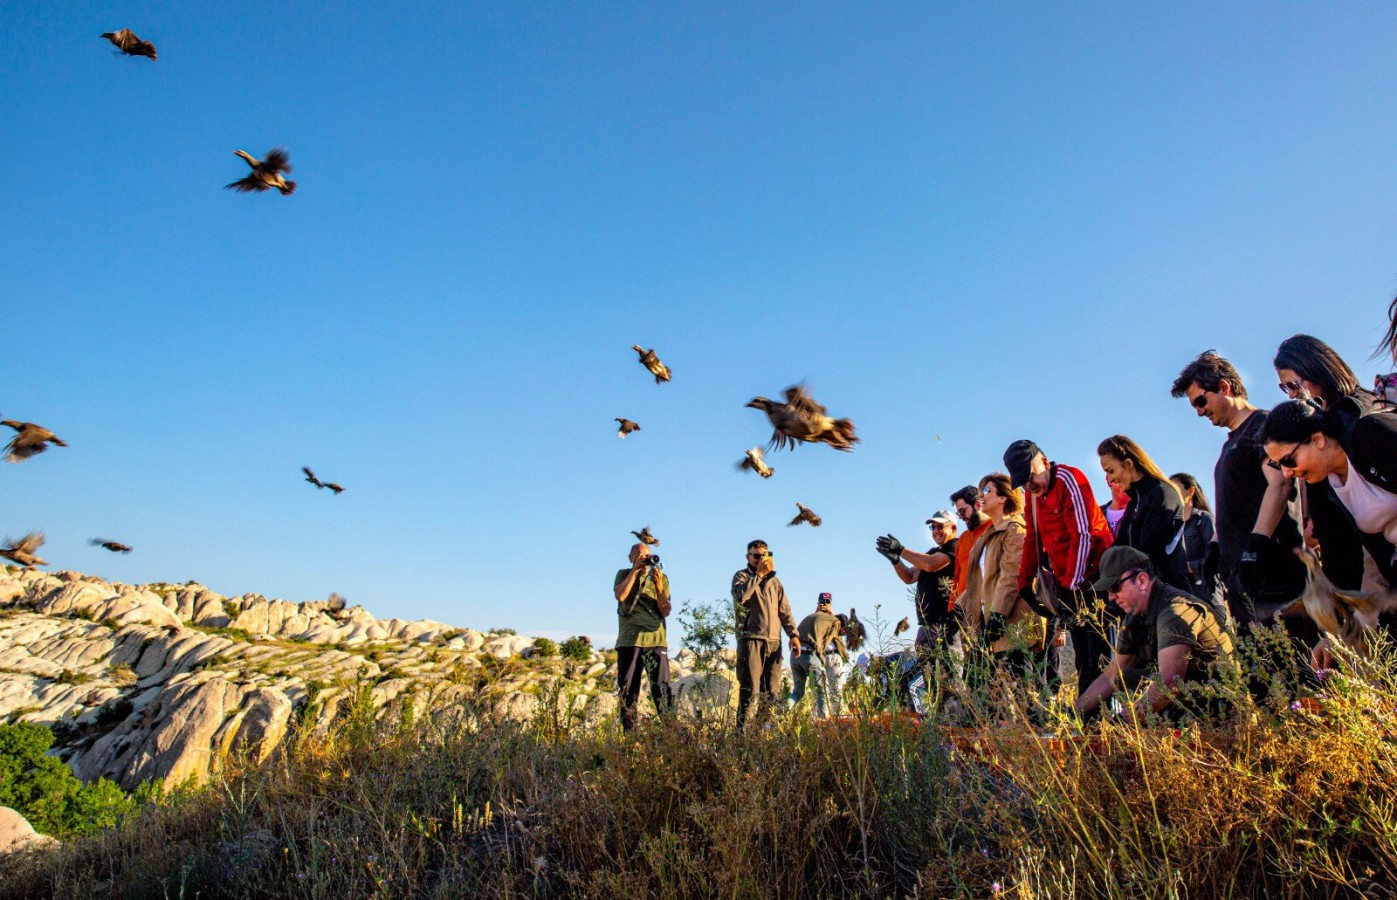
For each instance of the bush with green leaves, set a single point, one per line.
(577, 649)
(44, 790)
(545, 648)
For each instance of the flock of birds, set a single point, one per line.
(798, 420)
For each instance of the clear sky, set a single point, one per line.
(962, 224)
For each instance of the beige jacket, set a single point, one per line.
(993, 586)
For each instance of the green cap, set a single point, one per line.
(1116, 562)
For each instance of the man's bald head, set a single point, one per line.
(638, 551)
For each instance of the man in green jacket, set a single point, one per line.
(822, 653)
(642, 598)
(762, 611)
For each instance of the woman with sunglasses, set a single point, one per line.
(1154, 518)
(1200, 540)
(1350, 465)
(1309, 369)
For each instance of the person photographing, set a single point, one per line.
(642, 603)
(762, 611)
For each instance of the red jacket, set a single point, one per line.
(1071, 528)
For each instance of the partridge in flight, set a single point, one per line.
(310, 476)
(266, 173)
(627, 426)
(645, 537)
(854, 632)
(754, 461)
(126, 41)
(31, 440)
(23, 551)
(649, 360)
(800, 418)
(111, 545)
(806, 514)
(902, 626)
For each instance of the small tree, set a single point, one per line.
(545, 648)
(709, 628)
(44, 790)
(577, 649)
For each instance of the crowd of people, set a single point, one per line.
(1155, 590)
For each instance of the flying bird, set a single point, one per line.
(627, 426)
(266, 173)
(310, 476)
(854, 632)
(126, 41)
(23, 551)
(902, 626)
(800, 418)
(806, 514)
(1349, 616)
(756, 462)
(649, 360)
(111, 545)
(31, 440)
(645, 537)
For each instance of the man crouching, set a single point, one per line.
(642, 598)
(1173, 633)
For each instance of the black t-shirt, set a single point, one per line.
(1239, 486)
(934, 588)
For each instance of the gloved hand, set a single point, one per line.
(1250, 562)
(996, 624)
(891, 548)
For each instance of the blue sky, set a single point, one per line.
(977, 223)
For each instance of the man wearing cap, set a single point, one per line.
(1165, 630)
(822, 644)
(934, 573)
(762, 611)
(1065, 538)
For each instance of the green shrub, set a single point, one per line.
(44, 790)
(578, 649)
(507, 631)
(545, 648)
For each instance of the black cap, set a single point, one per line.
(825, 599)
(1017, 460)
(1116, 561)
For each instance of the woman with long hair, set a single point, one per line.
(1200, 539)
(1388, 344)
(1154, 519)
(1310, 369)
(995, 613)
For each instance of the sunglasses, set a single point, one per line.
(1287, 461)
(1115, 588)
(1201, 400)
(1292, 387)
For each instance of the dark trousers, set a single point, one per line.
(630, 662)
(758, 670)
(1088, 621)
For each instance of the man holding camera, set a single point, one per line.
(642, 597)
(762, 611)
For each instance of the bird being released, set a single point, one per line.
(756, 462)
(902, 626)
(31, 440)
(110, 545)
(1349, 616)
(126, 41)
(266, 173)
(330, 485)
(800, 418)
(23, 551)
(806, 514)
(627, 426)
(649, 360)
(854, 632)
(645, 537)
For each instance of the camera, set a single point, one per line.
(651, 560)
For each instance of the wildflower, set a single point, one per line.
(985, 852)
(997, 887)
(1296, 705)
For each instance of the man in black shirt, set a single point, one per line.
(1256, 534)
(934, 573)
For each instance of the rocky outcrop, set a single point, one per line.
(17, 834)
(165, 681)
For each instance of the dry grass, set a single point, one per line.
(1276, 803)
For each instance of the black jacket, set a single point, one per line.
(1153, 524)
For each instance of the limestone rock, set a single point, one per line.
(17, 834)
(705, 693)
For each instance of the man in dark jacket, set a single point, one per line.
(1171, 634)
(1067, 534)
(762, 611)
(822, 652)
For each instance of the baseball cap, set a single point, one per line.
(1017, 460)
(1116, 562)
(825, 598)
(944, 516)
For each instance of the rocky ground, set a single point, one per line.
(162, 681)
